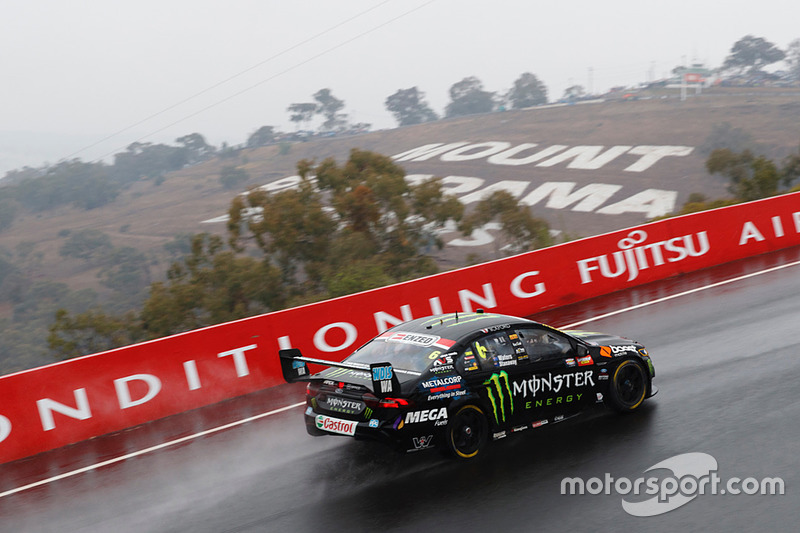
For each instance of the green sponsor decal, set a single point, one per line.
(367, 413)
(497, 388)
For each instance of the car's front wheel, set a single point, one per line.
(467, 432)
(628, 387)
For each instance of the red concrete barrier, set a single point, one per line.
(55, 405)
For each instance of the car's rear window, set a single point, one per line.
(405, 350)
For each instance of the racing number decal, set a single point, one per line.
(434, 354)
(481, 350)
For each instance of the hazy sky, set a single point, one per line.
(107, 73)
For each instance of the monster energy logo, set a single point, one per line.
(367, 413)
(497, 389)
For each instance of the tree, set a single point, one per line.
(409, 107)
(359, 226)
(574, 92)
(468, 97)
(790, 170)
(302, 112)
(291, 229)
(8, 210)
(85, 185)
(378, 232)
(527, 91)
(125, 270)
(232, 177)
(147, 160)
(521, 230)
(90, 332)
(724, 135)
(751, 177)
(197, 149)
(751, 54)
(329, 107)
(87, 244)
(211, 285)
(793, 58)
(263, 136)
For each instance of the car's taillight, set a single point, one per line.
(394, 403)
(373, 402)
(312, 389)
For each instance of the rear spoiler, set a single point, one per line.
(383, 375)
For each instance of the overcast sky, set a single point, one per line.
(86, 78)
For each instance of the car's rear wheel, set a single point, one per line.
(467, 432)
(628, 387)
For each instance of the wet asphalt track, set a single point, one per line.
(728, 368)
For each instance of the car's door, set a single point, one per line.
(491, 364)
(557, 380)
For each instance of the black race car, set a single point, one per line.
(461, 380)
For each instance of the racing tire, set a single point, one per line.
(628, 387)
(467, 432)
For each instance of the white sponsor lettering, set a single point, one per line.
(412, 338)
(192, 376)
(623, 349)
(46, 407)
(239, 360)
(552, 383)
(5, 428)
(633, 259)
(82, 409)
(124, 392)
(750, 231)
(516, 286)
(487, 300)
(428, 415)
(384, 320)
(447, 394)
(441, 382)
(351, 334)
(342, 404)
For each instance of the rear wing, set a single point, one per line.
(383, 375)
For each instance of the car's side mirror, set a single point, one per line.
(582, 350)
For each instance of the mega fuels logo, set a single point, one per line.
(498, 388)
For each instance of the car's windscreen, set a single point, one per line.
(408, 351)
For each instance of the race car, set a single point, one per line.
(458, 381)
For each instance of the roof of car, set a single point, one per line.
(457, 325)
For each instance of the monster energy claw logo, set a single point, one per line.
(497, 387)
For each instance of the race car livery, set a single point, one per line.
(459, 381)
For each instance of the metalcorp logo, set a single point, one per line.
(692, 475)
